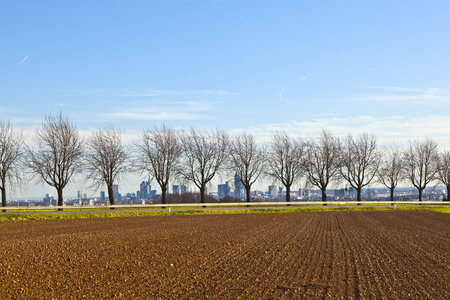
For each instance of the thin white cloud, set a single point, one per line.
(281, 93)
(153, 93)
(23, 60)
(390, 98)
(402, 94)
(302, 78)
(394, 88)
(399, 129)
(160, 111)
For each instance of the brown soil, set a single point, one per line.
(326, 255)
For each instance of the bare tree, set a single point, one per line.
(443, 174)
(391, 170)
(159, 150)
(11, 151)
(247, 159)
(421, 163)
(204, 153)
(57, 155)
(359, 161)
(106, 159)
(285, 160)
(322, 163)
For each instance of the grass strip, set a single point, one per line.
(24, 217)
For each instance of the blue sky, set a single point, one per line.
(349, 66)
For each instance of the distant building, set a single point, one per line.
(341, 193)
(238, 187)
(145, 190)
(183, 188)
(102, 196)
(176, 189)
(117, 195)
(273, 192)
(49, 200)
(223, 190)
(208, 188)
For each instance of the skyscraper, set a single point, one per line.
(273, 193)
(223, 190)
(238, 187)
(117, 195)
(176, 189)
(145, 190)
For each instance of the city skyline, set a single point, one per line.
(378, 66)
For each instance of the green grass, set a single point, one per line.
(199, 212)
(441, 209)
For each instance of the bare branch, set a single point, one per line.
(204, 153)
(247, 159)
(106, 159)
(159, 150)
(421, 163)
(11, 152)
(391, 170)
(58, 154)
(285, 160)
(443, 174)
(322, 161)
(359, 161)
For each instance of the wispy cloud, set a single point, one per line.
(156, 93)
(281, 93)
(163, 111)
(302, 78)
(387, 129)
(394, 88)
(22, 61)
(404, 94)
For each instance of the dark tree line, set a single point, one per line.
(58, 153)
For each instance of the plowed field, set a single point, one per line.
(325, 255)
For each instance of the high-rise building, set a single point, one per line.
(176, 189)
(80, 194)
(145, 190)
(223, 190)
(102, 196)
(273, 193)
(183, 188)
(48, 200)
(208, 188)
(238, 187)
(117, 195)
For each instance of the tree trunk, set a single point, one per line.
(448, 189)
(420, 195)
(247, 192)
(202, 194)
(288, 193)
(358, 195)
(111, 195)
(3, 197)
(392, 196)
(324, 196)
(60, 198)
(164, 194)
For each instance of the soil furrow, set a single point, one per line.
(327, 255)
